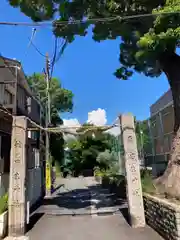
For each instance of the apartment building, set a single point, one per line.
(16, 97)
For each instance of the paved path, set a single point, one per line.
(79, 197)
(82, 210)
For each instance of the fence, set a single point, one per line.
(154, 138)
(159, 131)
(34, 191)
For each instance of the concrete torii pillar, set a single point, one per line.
(132, 167)
(17, 188)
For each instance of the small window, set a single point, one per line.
(8, 97)
(37, 158)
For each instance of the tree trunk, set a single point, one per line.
(169, 183)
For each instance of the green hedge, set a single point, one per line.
(147, 181)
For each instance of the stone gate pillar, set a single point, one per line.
(17, 187)
(132, 166)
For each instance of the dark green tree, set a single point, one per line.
(61, 101)
(61, 98)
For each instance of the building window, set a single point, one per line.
(8, 98)
(37, 158)
(21, 98)
(154, 127)
(168, 120)
(1, 93)
(158, 146)
(28, 104)
(166, 144)
(170, 140)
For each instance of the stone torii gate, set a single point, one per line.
(17, 206)
(132, 167)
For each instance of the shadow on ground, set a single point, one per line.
(53, 190)
(79, 202)
(84, 198)
(33, 220)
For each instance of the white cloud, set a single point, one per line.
(72, 122)
(97, 117)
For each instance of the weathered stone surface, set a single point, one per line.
(163, 216)
(17, 188)
(134, 190)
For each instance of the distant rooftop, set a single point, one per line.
(115, 131)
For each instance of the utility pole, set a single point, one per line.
(48, 121)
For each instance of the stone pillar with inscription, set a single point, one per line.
(132, 166)
(17, 188)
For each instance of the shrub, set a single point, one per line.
(147, 181)
(3, 203)
(106, 159)
(98, 172)
(58, 170)
(146, 172)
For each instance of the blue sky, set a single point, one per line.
(86, 68)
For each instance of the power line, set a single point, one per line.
(60, 129)
(32, 37)
(54, 57)
(62, 49)
(92, 20)
(57, 56)
(37, 50)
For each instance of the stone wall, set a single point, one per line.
(163, 216)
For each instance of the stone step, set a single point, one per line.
(75, 212)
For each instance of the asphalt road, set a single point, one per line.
(80, 209)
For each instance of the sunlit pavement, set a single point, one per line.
(80, 209)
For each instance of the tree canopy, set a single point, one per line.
(148, 43)
(143, 39)
(61, 98)
(61, 101)
(83, 151)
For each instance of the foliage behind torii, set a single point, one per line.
(89, 150)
